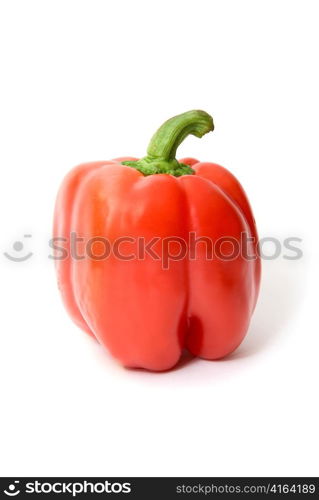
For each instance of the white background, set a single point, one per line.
(92, 80)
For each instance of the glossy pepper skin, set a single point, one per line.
(143, 312)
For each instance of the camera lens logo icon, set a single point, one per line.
(18, 246)
(13, 491)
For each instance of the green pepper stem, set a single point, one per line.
(161, 151)
(171, 134)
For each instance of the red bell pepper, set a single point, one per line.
(145, 309)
